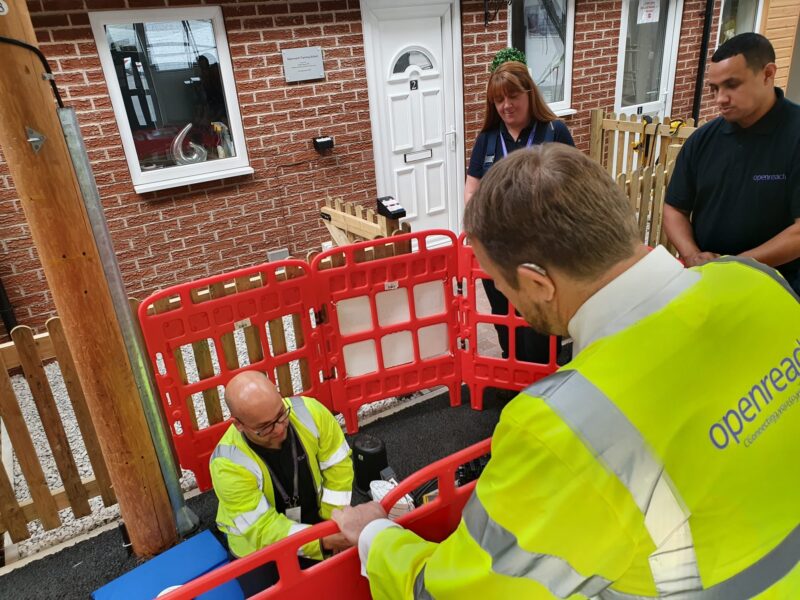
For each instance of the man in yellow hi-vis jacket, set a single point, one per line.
(282, 466)
(662, 461)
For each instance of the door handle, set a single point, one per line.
(451, 140)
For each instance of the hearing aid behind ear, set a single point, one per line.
(534, 267)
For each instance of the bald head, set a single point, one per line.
(254, 402)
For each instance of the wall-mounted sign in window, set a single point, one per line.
(303, 64)
(171, 84)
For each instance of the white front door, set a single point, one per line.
(648, 52)
(413, 57)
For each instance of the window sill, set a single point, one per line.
(565, 112)
(155, 186)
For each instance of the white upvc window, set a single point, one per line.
(738, 16)
(171, 85)
(547, 28)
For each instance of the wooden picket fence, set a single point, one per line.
(348, 222)
(646, 190)
(624, 144)
(640, 156)
(29, 353)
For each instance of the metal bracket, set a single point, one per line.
(35, 139)
(488, 6)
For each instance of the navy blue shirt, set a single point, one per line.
(560, 134)
(741, 185)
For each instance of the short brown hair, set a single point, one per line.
(511, 78)
(553, 206)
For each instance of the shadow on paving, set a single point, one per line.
(414, 438)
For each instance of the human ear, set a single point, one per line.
(537, 280)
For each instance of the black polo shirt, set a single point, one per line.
(478, 156)
(742, 186)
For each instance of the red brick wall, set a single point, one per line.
(594, 62)
(479, 45)
(176, 235)
(689, 56)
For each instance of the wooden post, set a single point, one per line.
(596, 135)
(53, 205)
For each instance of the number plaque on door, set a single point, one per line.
(414, 84)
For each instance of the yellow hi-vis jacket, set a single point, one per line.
(661, 463)
(246, 512)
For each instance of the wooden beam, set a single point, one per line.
(44, 348)
(52, 202)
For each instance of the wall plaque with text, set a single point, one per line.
(303, 64)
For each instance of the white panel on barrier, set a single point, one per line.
(392, 307)
(398, 349)
(360, 358)
(433, 341)
(429, 299)
(354, 315)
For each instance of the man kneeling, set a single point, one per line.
(282, 466)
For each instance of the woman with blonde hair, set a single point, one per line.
(517, 116)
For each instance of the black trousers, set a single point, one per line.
(531, 345)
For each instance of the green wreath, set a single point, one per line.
(505, 55)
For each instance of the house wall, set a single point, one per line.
(689, 56)
(186, 233)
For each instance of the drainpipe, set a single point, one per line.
(6, 310)
(701, 64)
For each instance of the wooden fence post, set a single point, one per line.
(60, 228)
(596, 135)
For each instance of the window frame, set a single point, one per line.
(562, 107)
(177, 175)
(756, 25)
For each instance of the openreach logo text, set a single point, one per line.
(731, 427)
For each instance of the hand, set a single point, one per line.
(335, 543)
(352, 519)
(701, 258)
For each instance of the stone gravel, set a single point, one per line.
(72, 527)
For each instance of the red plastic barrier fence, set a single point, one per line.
(364, 322)
(379, 310)
(339, 577)
(478, 370)
(204, 322)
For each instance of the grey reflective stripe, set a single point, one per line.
(296, 527)
(304, 416)
(336, 457)
(664, 296)
(509, 559)
(753, 263)
(750, 582)
(335, 497)
(420, 593)
(245, 521)
(238, 457)
(614, 440)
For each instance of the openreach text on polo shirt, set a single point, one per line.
(733, 423)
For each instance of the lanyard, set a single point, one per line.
(295, 499)
(527, 145)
